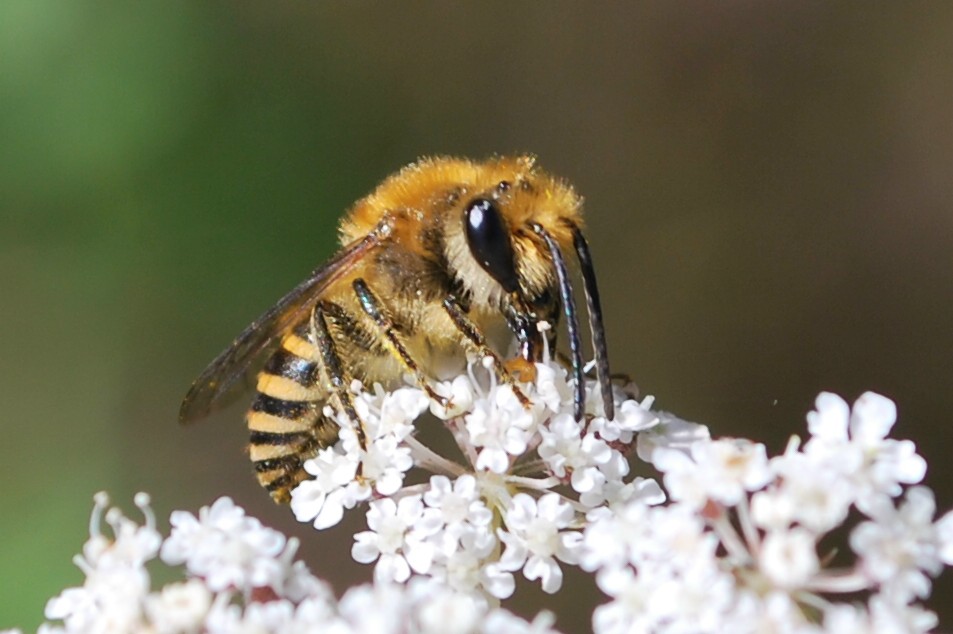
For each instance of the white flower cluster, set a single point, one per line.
(242, 579)
(741, 546)
(529, 473)
(737, 542)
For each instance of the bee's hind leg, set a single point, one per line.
(392, 339)
(336, 378)
(475, 338)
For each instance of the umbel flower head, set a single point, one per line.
(730, 540)
(739, 547)
(515, 496)
(242, 577)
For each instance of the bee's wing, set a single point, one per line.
(222, 376)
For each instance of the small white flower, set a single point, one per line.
(632, 608)
(398, 410)
(116, 578)
(789, 557)
(671, 432)
(944, 532)
(568, 450)
(110, 598)
(899, 547)
(503, 621)
(131, 544)
(460, 394)
(552, 390)
(391, 540)
(227, 548)
(807, 492)
(772, 611)
(844, 618)
(497, 582)
(719, 470)
(500, 428)
(855, 443)
(891, 613)
(179, 607)
(615, 493)
(384, 464)
(450, 614)
(631, 417)
(534, 538)
(324, 498)
(452, 504)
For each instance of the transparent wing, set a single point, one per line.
(221, 379)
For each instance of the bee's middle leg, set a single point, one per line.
(392, 338)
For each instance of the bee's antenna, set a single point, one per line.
(595, 320)
(572, 320)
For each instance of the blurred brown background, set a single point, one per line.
(769, 192)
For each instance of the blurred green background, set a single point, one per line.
(769, 193)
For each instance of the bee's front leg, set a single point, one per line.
(475, 338)
(392, 338)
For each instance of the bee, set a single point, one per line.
(441, 255)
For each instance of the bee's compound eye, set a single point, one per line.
(489, 242)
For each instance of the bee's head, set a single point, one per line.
(515, 226)
(491, 241)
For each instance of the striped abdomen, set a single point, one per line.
(286, 422)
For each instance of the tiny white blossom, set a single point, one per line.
(534, 538)
(397, 410)
(450, 614)
(500, 428)
(460, 395)
(553, 391)
(807, 492)
(671, 432)
(453, 504)
(900, 546)
(632, 608)
(323, 499)
(631, 417)
(179, 607)
(384, 463)
(720, 470)
(789, 557)
(227, 548)
(890, 613)
(855, 443)
(116, 579)
(391, 540)
(944, 532)
(568, 450)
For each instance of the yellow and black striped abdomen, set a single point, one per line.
(286, 419)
